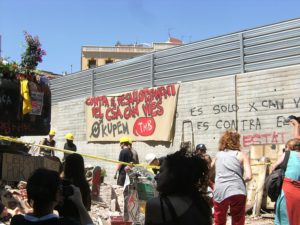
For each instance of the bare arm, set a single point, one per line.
(213, 162)
(296, 128)
(279, 161)
(247, 167)
(212, 170)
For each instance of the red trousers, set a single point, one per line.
(291, 189)
(237, 204)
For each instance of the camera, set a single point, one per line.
(67, 191)
(291, 117)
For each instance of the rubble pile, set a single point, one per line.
(14, 201)
(110, 203)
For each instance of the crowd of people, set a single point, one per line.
(46, 191)
(226, 175)
(184, 180)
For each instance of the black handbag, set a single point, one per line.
(275, 179)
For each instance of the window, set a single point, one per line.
(109, 60)
(92, 63)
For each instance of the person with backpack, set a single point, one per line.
(287, 204)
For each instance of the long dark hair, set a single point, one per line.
(75, 173)
(189, 173)
(186, 175)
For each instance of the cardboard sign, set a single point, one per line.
(37, 102)
(19, 167)
(96, 182)
(146, 114)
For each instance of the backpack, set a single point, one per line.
(275, 179)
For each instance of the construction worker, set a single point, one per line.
(124, 156)
(48, 142)
(69, 145)
(201, 151)
(152, 160)
(135, 156)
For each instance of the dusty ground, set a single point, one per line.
(259, 221)
(111, 201)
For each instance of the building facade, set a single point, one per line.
(94, 56)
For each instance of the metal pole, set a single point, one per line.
(92, 83)
(152, 70)
(241, 38)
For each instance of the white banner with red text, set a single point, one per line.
(144, 115)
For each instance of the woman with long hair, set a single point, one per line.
(181, 184)
(232, 171)
(74, 173)
(287, 204)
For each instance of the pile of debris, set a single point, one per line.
(14, 201)
(110, 203)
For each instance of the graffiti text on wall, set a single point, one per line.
(255, 124)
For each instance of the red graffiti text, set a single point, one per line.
(264, 138)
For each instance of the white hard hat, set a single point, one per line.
(150, 157)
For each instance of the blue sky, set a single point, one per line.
(63, 26)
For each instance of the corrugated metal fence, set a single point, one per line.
(256, 49)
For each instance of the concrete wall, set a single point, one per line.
(254, 103)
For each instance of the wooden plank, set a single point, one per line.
(17, 167)
(260, 190)
(256, 194)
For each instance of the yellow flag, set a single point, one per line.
(26, 97)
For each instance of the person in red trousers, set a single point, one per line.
(230, 188)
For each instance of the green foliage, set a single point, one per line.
(8, 69)
(33, 53)
(32, 56)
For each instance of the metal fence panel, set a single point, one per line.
(265, 47)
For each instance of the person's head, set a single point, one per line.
(182, 174)
(69, 137)
(293, 144)
(200, 149)
(74, 166)
(51, 134)
(43, 188)
(230, 140)
(151, 159)
(125, 142)
(130, 140)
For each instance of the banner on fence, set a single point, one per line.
(145, 114)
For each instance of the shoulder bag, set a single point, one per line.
(275, 179)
